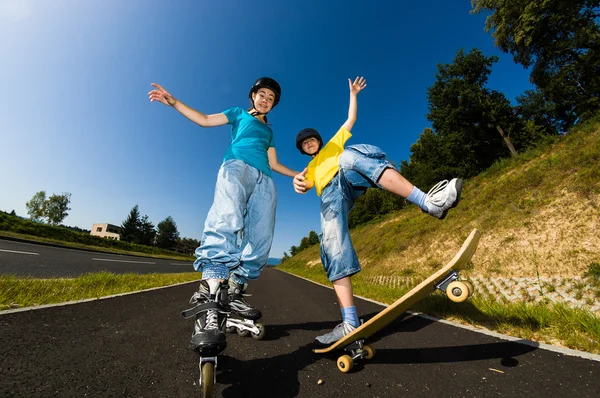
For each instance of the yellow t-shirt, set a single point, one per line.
(325, 165)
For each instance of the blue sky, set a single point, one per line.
(75, 116)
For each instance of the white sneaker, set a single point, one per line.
(338, 332)
(443, 196)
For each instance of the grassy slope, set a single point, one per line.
(538, 212)
(539, 215)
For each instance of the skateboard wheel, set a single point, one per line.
(457, 291)
(369, 351)
(345, 363)
(261, 332)
(470, 287)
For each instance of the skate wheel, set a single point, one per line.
(457, 291)
(261, 332)
(369, 351)
(208, 379)
(230, 329)
(345, 363)
(243, 333)
(470, 287)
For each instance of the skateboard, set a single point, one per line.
(445, 279)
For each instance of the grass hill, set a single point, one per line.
(539, 213)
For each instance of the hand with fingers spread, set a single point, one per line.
(359, 84)
(162, 95)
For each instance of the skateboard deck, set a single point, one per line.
(445, 279)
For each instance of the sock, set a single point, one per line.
(349, 316)
(417, 197)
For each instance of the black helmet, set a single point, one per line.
(307, 133)
(266, 82)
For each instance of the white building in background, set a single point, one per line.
(107, 231)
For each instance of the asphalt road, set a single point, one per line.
(29, 259)
(136, 346)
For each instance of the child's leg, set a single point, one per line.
(337, 253)
(366, 166)
(343, 291)
(219, 250)
(394, 182)
(259, 226)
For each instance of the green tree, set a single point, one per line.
(36, 207)
(285, 257)
(303, 244)
(147, 231)
(293, 251)
(538, 114)
(313, 238)
(558, 40)
(475, 125)
(131, 227)
(57, 207)
(167, 234)
(12, 213)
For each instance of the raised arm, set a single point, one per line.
(278, 167)
(161, 95)
(355, 88)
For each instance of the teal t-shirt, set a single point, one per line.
(250, 139)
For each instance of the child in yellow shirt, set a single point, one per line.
(340, 176)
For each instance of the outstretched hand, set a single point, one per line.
(301, 185)
(359, 84)
(161, 95)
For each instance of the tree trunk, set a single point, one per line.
(506, 139)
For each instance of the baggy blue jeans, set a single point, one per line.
(361, 166)
(239, 228)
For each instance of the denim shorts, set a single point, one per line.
(361, 167)
(239, 228)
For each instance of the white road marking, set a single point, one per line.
(13, 251)
(123, 261)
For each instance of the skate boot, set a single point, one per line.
(442, 197)
(242, 314)
(210, 311)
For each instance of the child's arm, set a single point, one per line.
(278, 167)
(355, 88)
(161, 95)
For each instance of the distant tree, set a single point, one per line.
(285, 257)
(147, 231)
(194, 243)
(558, 40)
(12, 213)
(188, 245)
(313, 238)
(293, 251)
(167, 233)
(131, 227)
(57, 207)
(303, 244)
(36, 207)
